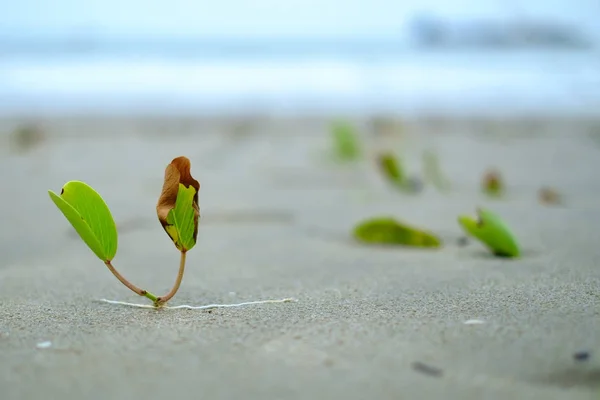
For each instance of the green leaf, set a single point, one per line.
(492, 184)
(345, 142)
(385, 230)
(393, 172)
(87, 212)
(492, 232)
(182, 220)
(391, 169)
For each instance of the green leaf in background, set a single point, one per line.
(87, 212)
(345, 141)
(393, 172)
(492, 232)
(492, 184)
(391, 169)
(386, 230)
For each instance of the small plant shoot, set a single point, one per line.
(492, 184)
(346, 145)
(490, 230)
(393, 172)
(391, 169)
(178, 213)
(388, 231)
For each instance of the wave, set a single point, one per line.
(524, 82)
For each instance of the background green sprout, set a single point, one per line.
(346, 146)
(388, 231)
(492, 232)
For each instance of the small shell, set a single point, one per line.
(44, 345)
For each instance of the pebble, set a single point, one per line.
(582, 356)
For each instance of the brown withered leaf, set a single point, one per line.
(177, 172)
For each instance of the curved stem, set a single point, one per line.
(168, 296)
(130, 285)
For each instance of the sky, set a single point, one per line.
(251, 18)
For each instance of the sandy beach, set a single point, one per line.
(277, 214)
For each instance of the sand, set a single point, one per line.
(369, 322)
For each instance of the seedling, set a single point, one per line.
(346, 145)
(393, 172)
(178, 213)
(388, 231)
(391, 169)
(492, 184)
(489, 229)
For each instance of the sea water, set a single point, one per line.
(288, 80)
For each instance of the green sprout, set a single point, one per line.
(393, 172)
(388, 231)
(492, 232)
(492, 184)
(177, 211)
(391, 169)
(346, 146)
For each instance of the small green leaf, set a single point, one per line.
(182, 220)
(492, 184)
(385, 230)
(345, 142)
(391, 169)
(492, 232)
(393, 172)
(177, 208)
(87, 212)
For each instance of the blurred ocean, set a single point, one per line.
(279, 78)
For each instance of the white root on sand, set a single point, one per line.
(474, 322)
(206, 307)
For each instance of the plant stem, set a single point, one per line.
(130, 285)
(163, 299)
